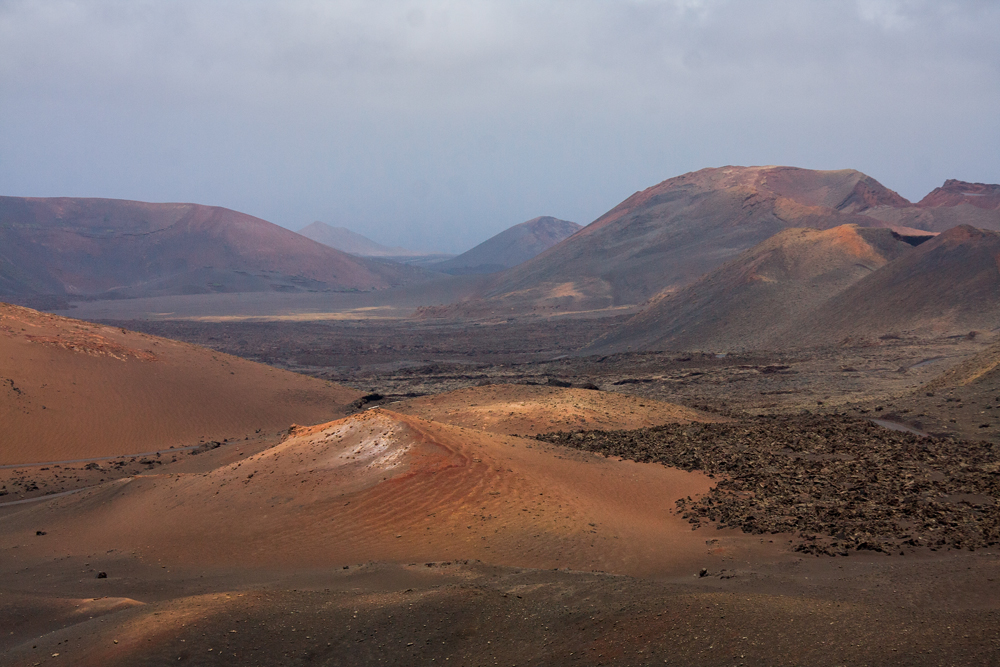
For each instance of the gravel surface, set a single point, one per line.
(839, 483)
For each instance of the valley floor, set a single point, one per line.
(879, 378)
(732, 599)
(934, 609)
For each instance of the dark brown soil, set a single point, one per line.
(841, 484)
(862, 611)
(364, 347)
(881, 378)
(28, 482)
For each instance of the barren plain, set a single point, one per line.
(437, 527)
(600, 456)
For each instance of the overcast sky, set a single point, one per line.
(437, 124)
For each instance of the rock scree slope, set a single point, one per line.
(667, 236)
(745, 303)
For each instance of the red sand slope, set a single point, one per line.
(386, 486)
(71, 389)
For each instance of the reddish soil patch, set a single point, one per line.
(527, 410)
(74, 390)
(386, 486)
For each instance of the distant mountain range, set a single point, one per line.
(732, 258)
(108, 248)
(345, 240)
(670, 235)
(54, 249)
(511, 247)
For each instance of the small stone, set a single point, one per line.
(102, 575)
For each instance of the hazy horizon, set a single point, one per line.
(434, 125)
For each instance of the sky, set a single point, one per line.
(434, 125)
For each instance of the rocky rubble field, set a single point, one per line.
(839, 483)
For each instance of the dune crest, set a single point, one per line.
(391, 487)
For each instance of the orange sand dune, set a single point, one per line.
(516, 409)
(71, 390)
(385, 486)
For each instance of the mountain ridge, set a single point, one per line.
(739, 305)
(512, 246)
(346, 240)
(670, 234)
(105, 248)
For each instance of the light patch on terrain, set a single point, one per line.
(527, 410)
(565, 290)
(366, 313)
(369, 437)
(94, 345)
(98, 606)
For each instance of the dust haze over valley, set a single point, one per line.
(743, 415)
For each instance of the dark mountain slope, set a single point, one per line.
(744, 303)
(511, 247)
(948, 284)
(671, 234)
(345, 240)
(107, 247)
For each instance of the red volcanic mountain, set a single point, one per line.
(805, 287)
(671, 234)
(111, 248)
(954, 203)
(957, 193)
